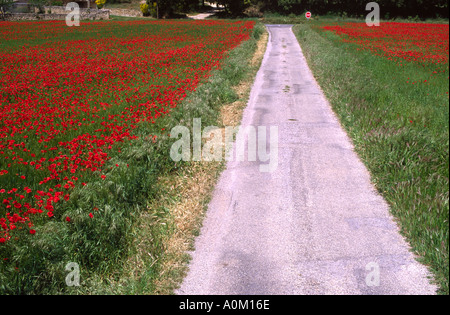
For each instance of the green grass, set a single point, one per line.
(127, 18)
(275, 18)
(409, 162)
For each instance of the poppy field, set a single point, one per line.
(84, 114)
(389, 85)
(65, 107)
(425, 44)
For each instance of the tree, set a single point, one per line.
(235, 7)
(165, 7)
(389, 8)
(4, 4)
(39, 4)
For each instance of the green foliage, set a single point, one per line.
(289, 5)
(57, 3)
(153, 9)
(119, 1)
(165, 7)
(145, 9)
(356, 8)
(100, 3)
(5, 2)
(4, 5)
(39, 4)
(186, 5)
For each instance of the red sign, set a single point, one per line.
(308, 15)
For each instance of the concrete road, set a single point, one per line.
(313, 226)
(201, 16)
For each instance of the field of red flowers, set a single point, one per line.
(72, 97)
(426, 45)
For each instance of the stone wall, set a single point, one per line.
(126, 12)
(85, 14)
(83, 11)
(59, 13)
(58, 10)
(118, 12)
(33, 16)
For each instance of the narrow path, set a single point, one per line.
(313, 226)
(201, 16)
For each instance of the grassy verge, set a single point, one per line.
(165, 232)
(127, 18)
(400, 132)
(191, 189)
(274, 18)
